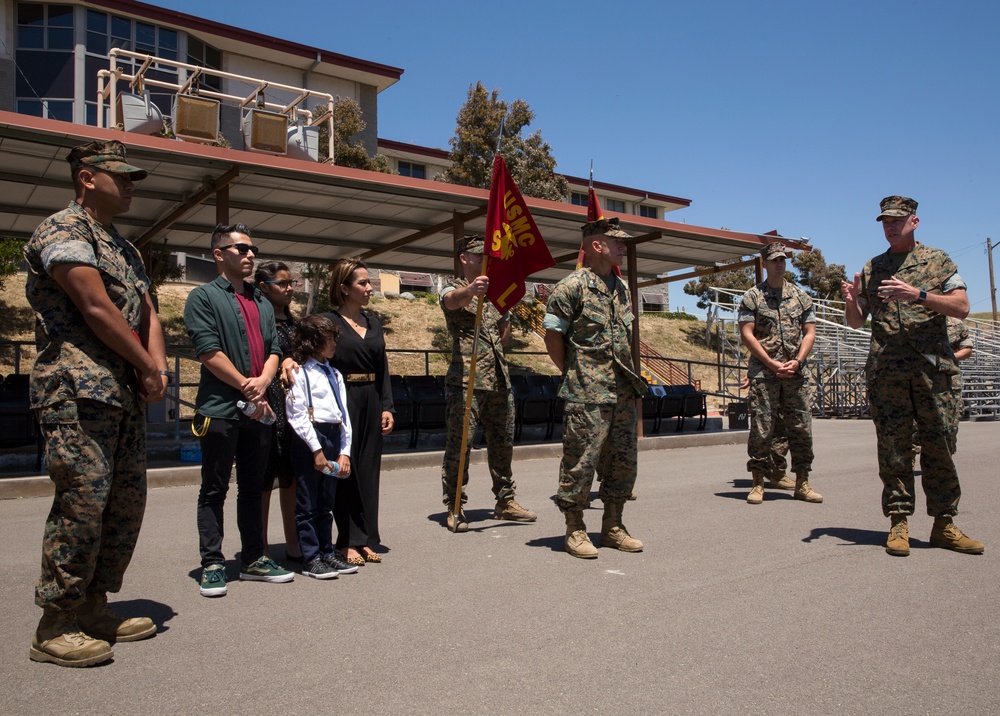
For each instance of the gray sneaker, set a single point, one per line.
(265, 570)
(213, 581)
(334, 562)
(317, 568)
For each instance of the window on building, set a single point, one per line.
(616, 205)
(650, 212)
(106, 31)
(204, 55)
(578, 199)
(651, 301)
(47, 84)
(409, 169)
(44, 84)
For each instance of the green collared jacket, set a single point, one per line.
(214, 322)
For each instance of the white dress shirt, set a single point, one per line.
(324, 403)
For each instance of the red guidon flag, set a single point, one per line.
(593, 214)
(513, 242)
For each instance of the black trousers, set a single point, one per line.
(247, 443)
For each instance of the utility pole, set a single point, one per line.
(993, 287)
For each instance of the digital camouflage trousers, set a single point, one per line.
(96, 458)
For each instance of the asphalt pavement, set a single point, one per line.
(781, 608)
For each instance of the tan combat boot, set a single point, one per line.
(59, 640)
(463, 525)
(945, 534)
(802, 489)
(780, 482)
(756, 495)
(898, 544)
(100, 621)
(510, 510)
(613, 532)
(578, 543)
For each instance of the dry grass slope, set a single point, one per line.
(409, 325)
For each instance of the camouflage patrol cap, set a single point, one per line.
(774, 250)
(604, 227)
(471, 244)
(109, 156)
(896, 206)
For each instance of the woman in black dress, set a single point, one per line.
(274, 279)
(361, 359)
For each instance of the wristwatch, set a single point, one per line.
(922, 297)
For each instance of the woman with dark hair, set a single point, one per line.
(274, 279)
(361, 359)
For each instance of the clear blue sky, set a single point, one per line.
(788, 115)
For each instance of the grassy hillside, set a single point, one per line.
(409, 325)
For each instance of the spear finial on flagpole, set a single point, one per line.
(503, 120)
(591, 184)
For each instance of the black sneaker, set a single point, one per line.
(317, 568)
(334, 562)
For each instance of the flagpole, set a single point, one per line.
(460, 480)
(466, 419)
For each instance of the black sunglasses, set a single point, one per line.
(241, 248)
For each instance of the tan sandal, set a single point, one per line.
(354, 559)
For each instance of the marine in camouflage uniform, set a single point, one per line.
(588, 335)
(961, 345)
(492, 400)
(778, 327)
(100, 356)
(909, 290)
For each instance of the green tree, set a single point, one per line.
(160, 268)
(736, 280)
(348, 149)
(820, 279)
(10, 257)
(477, 130)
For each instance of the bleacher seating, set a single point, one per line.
(695, 404)
(404, 408)
(17, 422)
(420, 404)
(532, 406)
(662, 402)
(651, 405)
(428, 398)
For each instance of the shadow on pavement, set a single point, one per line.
(851, 535)
(556, 543)
(159, 612)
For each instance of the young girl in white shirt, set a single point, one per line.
(315, 406)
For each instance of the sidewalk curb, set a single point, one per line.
(12, 488)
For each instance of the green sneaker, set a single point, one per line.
(265, 570)
(213, 581)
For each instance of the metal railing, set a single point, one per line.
(839, 356)
(188, 84)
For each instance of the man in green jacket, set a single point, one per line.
(232, 328)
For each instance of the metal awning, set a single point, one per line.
(304, 211)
